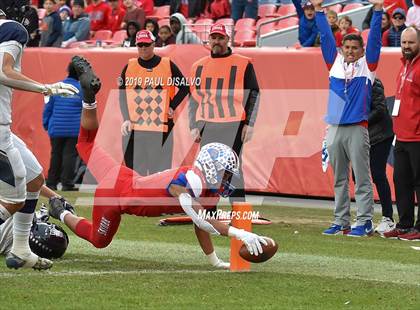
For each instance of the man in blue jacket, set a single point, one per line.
(351, 75)
(61, 118)
(308, 30)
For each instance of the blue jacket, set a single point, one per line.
(308, 30)
(350, 98)
(61, 116)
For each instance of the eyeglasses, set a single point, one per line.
(144, 44)
(399, 17)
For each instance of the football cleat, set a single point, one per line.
(32, 261)
(361, 230)
(58, 205)
(89, 82)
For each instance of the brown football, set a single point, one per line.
(268, 252)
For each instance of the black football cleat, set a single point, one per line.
(89, 82)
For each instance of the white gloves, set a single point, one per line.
(61, 89)
(252, 241)
(217, 262)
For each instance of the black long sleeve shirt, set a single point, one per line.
(149, 64)
(251, 96)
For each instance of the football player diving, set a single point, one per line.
(16, 160)
(120, 190)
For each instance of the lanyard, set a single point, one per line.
(347, 77)
(405, 74)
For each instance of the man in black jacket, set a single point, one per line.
(381, 136)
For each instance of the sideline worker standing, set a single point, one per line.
(406, 114)
(223, 107)
(148, 102)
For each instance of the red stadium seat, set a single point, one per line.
(365, 34)
(225, 21)
(245, 38)
(163, 22)
(352, 6)
(267, 28)
(202, 25)
(287, 22)
(262, 20)
(245, 24)
(336, 8)
(266, 9)
(286, 9)
(160, 12)
(119, 36)
(102, 35)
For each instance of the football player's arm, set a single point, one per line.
(14, 79)
(192, 208)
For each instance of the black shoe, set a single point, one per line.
(67, 188)
(89, 82)
(57, 205)
(53, 187)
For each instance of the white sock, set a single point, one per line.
(4, 214)
(22, 223)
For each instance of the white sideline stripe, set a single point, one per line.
(107, 272)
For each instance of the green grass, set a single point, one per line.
(152, 267)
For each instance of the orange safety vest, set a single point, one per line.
(149, 95)
(221, 92)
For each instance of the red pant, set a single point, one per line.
(112, 177)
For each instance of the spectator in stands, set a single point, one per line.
(308, 30)
(332, 18)
(380, 138)
(165, 36)
(132, 28)
(345, 24)
(413, 15)
(148, 107)
(392, 37)
(147, 6)
(133, 13)
(79, 25)
(99, 12)
(220, 9)
(61, 118)
(116, 16)
(184, 35)
(64, 12)
(152, 26)
(386, 20)
(249, 7)
(31, 23)
(406, 113)
(351, 75)
(51, 27)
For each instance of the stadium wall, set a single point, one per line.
(284, 155)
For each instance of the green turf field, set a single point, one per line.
(152, 267)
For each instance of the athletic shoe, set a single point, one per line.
(58, 205)
(336, 230)
(393, 234)
(414, 235)
(362, 230)
(32, 261)
(385, 225)
(89, 82)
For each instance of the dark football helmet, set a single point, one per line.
(15, 9)
(48, 240)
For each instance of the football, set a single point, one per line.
(268, 252)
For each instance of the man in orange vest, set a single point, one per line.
(223, 107)
(148, 101)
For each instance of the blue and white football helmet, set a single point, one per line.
(219, 164)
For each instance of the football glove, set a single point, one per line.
(60, 89)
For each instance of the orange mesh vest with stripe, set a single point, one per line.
(148, 99)
(221, 92)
